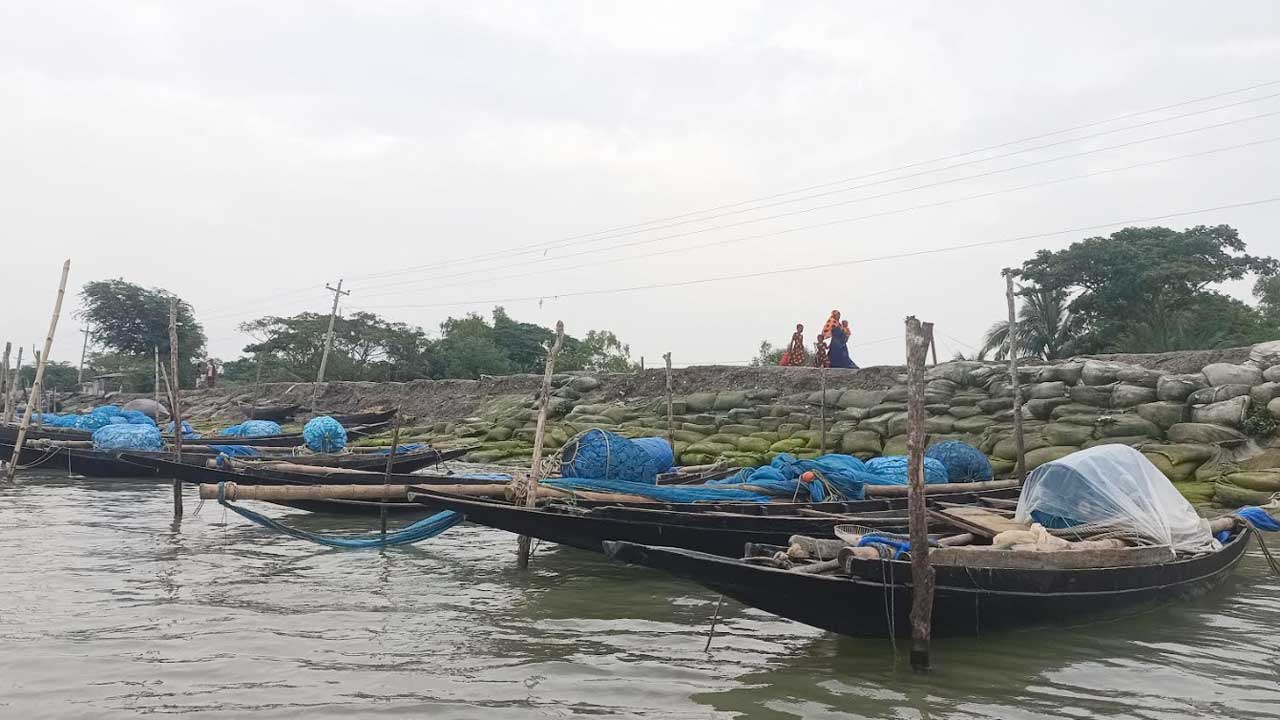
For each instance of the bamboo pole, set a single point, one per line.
(257, 389)
(671, 425)
(37, 398)
(544, 398)
(822, 413)
(39, 379)
(4, 383)
(918, 337)
(84, 350)
(338, 292)
(1020, 470)
(877, 491)
(11, 401)
(176, 410)
(391, 459)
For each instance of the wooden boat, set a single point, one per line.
(282, 440)
(90, 463)
(276, 413)
(9, 433)
(876, 600)
(365, 417)
(695, 526)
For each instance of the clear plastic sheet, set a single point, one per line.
(1114, 485)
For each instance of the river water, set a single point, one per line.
(108, 610)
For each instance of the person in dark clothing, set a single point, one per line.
(838, 353)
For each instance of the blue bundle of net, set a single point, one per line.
(835, 477)
(187, 430)
(252, 428)
(964, 462)
(234, 451)
(123, 436)
(661, 493)
(324, 435)
(600, 455)
(136, 417)
(892, 470)
(95, 420)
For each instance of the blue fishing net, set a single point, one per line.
(602, 455)
(836, 477)
(324, 435)
(135, 417)
(252, 428)
(964, 462)
(892, 470)
(123, 436)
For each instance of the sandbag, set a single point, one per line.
(1040, 456)
(1068, 373)
(1273, 407)
(1093, 395)
(1228, 374)
(1179, 387)
(1272, 374)
(1043, 390)
(1261, 395)
(1133, 441)
(975, 424)
(1007, 448)
(1204, 434)
(896, 445)
(1178, 453)
(1126, 426)
(1042, 408)
(1230, 413)
(1265, 460)
(1231, 495)
(127, 437)
(1164, 414)
(1124, 396)
(1265, 354)
(1175, 473)
(1138, 375)
(1267, 481)
(1067, 434)
(858, 441)
(1001, 467)
(1100, 372)
(1217, 393)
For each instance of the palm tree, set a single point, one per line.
(1046, 328)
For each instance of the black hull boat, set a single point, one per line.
(694, 527)
(90, 463)
(282, 440)
(967, 601)
(276, 413)
(9, 433)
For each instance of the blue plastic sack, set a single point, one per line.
(324, 435)
(91, 421)
(964, 462)
(135, 417)
(252, 428)
(123, 436)
(187, 430)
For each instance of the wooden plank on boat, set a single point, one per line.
(901, 490)
(979, 556)
(976, 520)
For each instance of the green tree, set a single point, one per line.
(365, 347)
(767, 355)
(468, 348)
(1151, 283)
(599, 351)
(1046, 328)
(58, 376)
(133, 320)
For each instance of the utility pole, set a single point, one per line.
(84, 348)
(338, 292)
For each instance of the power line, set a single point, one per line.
(842, 263)
(547, 246)
(885, 213)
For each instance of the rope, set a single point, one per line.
(422, 530)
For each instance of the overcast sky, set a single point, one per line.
(244, 154)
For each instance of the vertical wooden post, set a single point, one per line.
(11, 402)
(338, 292)
(641, 363)
(391, 458)
(157, 382)
(84, 350)
(1019, 443)
(921, 571)
(4, 384)
(176, 411)
(822, 413)
(257, 389)
(38, 383)
(37, 398)
(544, 398)
(671, 424)
(933, 349)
